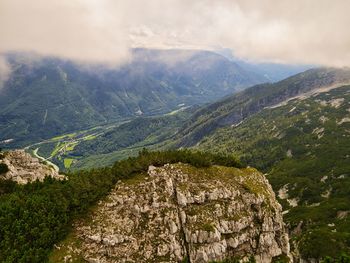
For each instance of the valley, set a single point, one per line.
(104, 144)
(57, 148)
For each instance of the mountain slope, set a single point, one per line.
(304, 147)
(45, 97)
(273, 72)
(234, 109)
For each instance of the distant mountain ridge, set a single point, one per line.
(45, 97)
(272, 71)
(235, 108)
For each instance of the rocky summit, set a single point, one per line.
(23, 168)
(178, 213)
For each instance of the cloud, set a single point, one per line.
(310, 31)
(79, 30)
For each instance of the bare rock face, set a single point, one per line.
(177, 212)
(23, 168)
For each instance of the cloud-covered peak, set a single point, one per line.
(313, 32)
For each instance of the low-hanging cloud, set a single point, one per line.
(78, 30)
(311, 31)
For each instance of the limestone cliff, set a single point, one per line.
(178, 213)
(23, 168)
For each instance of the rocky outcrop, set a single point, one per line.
(23, 168)
(179, 212)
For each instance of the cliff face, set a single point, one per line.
(23, 168)
(177, 212)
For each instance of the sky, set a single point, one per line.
(103, 31)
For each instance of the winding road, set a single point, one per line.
(35, 152)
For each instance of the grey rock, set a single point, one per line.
(173, 213)
(23, 168)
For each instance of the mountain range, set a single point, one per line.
(45, 97)
(192, 125)
(295, 130)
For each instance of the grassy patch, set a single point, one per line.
(136, 179)
(60, 137)
(63, 249)
(68, 162)
(57, 148)
(90, 137)
(208, 227)
(71, 146)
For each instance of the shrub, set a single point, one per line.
(198, 159)
(7, 186)
(3, 168)
(209, 227)
(344, 258)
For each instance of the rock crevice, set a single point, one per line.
(182, 220)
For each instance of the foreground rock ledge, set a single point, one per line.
(178, 212)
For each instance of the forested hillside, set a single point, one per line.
(234, 109)
(304, 147)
